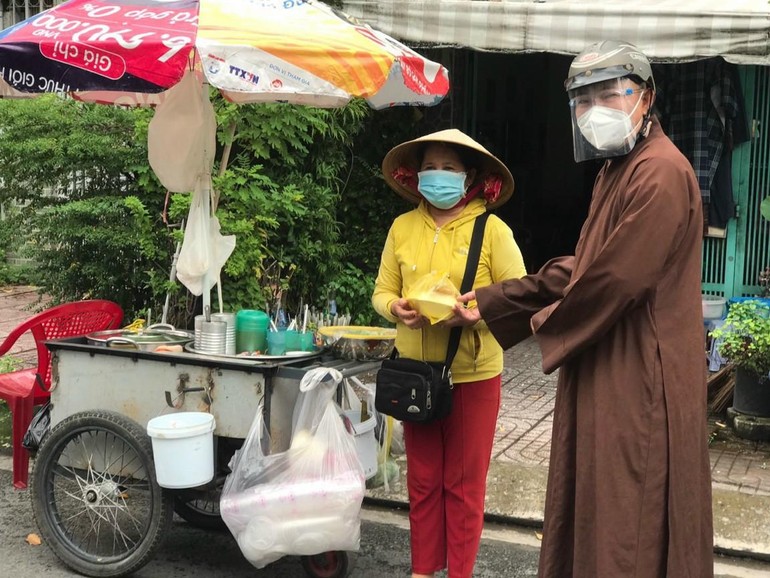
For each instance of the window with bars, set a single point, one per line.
(14, 11)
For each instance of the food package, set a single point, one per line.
(433, 296)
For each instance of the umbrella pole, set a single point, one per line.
(215, 196)
(171, 277)
(207, 219)
(206, 185)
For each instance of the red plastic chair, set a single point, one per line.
(24, 389)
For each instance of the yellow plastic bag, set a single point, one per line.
(433, 296)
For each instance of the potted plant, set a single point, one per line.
(744, 340)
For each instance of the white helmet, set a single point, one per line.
(602, 125)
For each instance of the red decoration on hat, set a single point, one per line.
(406, 177)
(493, 185)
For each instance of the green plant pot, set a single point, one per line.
(752, 394)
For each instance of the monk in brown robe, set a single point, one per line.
(629, 486)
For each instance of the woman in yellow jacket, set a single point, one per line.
(452, 179)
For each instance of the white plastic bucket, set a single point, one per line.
(713, 306)
(366, 443)
(183, 448)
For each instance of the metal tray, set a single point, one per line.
(290, 356)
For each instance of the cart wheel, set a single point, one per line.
(95, 497)
(200, 508)
(326, 564)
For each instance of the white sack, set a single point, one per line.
(181, 140)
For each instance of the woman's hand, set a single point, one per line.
(408, 316)
(463, 315)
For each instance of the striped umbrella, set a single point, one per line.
(132, 51)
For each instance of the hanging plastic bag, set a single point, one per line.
(433, 295)
(387, 469)
(37, 429)
(306, 500)
(204, 249)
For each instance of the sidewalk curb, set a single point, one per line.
(516, 495)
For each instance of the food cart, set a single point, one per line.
(95, 497)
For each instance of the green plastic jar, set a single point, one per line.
(251, 331)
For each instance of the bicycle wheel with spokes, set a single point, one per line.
(200, 508)
(95, 497)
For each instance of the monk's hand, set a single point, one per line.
(408, 316)
(465, 312)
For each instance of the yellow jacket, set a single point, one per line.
(416, 247)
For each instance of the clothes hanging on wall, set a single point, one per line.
(702, 111)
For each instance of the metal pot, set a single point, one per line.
(146, 340)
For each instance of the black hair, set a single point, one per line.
(470, 158)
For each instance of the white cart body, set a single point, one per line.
(142, 385)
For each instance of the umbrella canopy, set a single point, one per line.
(163, 52)
(132, 51)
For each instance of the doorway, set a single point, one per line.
(516, 106)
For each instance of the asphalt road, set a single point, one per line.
(193, 553)
(188, 552)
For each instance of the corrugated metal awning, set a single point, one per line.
(665, 30)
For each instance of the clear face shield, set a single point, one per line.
(602, 118)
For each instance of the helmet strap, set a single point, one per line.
(646, 119)
(646, 126)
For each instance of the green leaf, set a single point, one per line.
(764, 208)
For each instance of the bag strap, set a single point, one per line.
(474, 254)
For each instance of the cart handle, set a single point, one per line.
(182, 392)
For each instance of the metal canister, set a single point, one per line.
(229, 319)
(213, 338)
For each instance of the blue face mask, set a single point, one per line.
(442, 189)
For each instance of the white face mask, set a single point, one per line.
(608, 129)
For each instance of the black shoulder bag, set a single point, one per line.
(421, 391)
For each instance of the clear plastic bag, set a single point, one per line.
(306, 500)
(204, 249)
(387, 469)
(433, 295)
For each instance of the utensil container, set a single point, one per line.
(292, 340)
(276, 342)
(307, 341)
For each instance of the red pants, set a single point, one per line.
(447, 464)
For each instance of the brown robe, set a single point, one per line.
(629, 484)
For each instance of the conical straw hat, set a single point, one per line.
(405, 156)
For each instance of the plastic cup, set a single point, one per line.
(276, 342)
(292, 340)
(307, 341)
